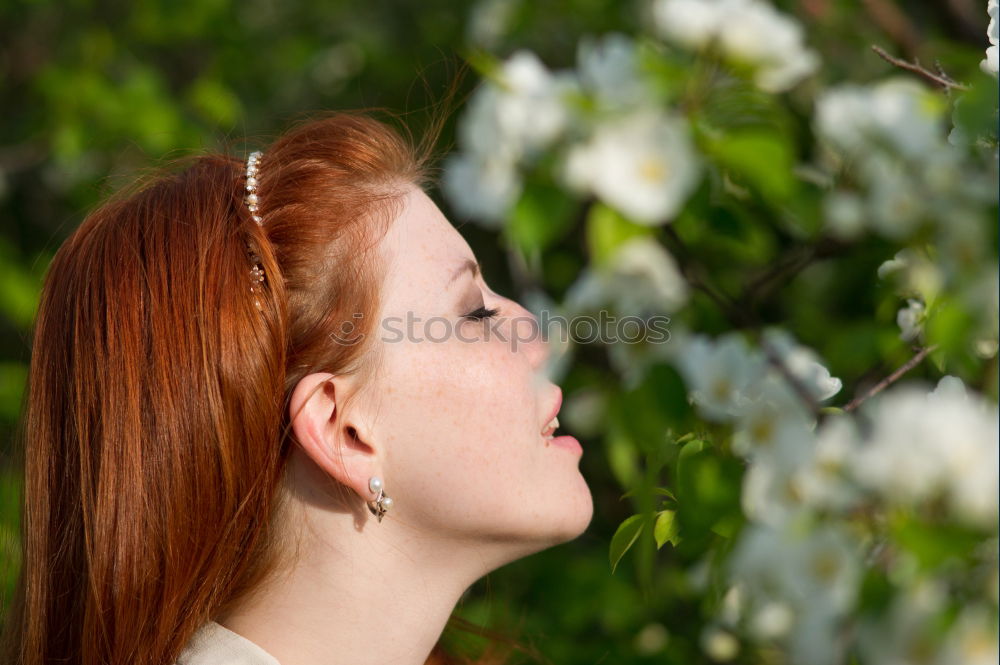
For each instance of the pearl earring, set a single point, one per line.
(382, 503)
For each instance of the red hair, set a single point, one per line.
(156, 432)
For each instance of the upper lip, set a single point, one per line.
(554, 411)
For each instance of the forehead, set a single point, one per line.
(421, 249)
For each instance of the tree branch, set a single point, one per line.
(941, 79)
(892, 378)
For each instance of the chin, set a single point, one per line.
(571, 521)
(578, 519)
(515, 533)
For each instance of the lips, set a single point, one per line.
(550, 428)
(552, 421)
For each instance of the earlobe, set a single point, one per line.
(323, 434)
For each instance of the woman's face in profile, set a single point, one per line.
(460, 409)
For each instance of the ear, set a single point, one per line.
(339, 447)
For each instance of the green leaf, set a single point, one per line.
(626, 535)
(691, 448)
(708, 486)
(933, 545)
(975, 111)
(728, 525)
(541, 216)
(762, 158)
(876, 591)
(484, 63)
(663, 491)
(658, 491)
(623, 458)
(665, 529)
(607, 230)
(950, 326)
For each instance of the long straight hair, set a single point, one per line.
(156, 428)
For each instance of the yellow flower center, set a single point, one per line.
(653, 170)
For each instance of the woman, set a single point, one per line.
(276, 415)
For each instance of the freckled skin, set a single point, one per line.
(465, 458)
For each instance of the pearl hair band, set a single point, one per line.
(251, 199)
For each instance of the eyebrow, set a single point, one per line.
(467, 266)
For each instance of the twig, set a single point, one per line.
(942, 80)
(892, 378)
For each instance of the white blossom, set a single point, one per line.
(640, 277)
(914, 273)
(757, 34)
(810, 570)
(483, 188)
(990, 63)
(691, 23)
(796, 585)
(488, 22)
(899, 114)
(816, 639)
(824, 482)
(844, 214)
(905, 630)
(800, 471)
(773, 619)
(895, 202)
(719, 644)
(608, 67)
(972, 639)
(770, 494)
(890, 136)
(718, 373)
(803, 364)
(509, 119)
(522, 111)
(925, 445)
(768, 424)
(642, 164)
(750, 32)
(910, 320)
(901, 260)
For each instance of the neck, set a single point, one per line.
(358, 591)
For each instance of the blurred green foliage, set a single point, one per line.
(94, 92)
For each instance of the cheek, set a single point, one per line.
(459, 425)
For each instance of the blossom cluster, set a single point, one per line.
(746, 31)
(797, 568)
(831, 497)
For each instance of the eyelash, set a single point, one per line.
(482, 313)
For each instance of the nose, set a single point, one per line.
(530, 338)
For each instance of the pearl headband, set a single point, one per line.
(251, 186)
(251, 200)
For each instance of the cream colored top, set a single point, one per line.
(214, 644)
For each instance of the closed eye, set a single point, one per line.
(482, 313)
